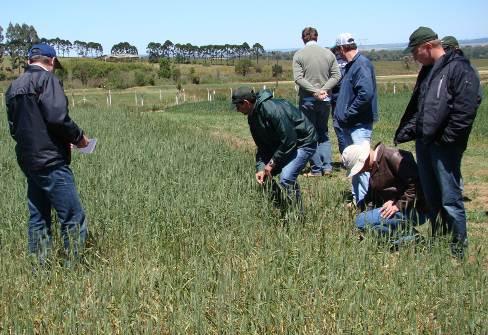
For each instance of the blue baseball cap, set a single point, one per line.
(43, 49)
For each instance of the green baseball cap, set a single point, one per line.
(419, 36)
(243, 93)
(449, 42)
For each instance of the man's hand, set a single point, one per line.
(321, 95)
(260, 177)
(83, 142)
(267, 170)
(388, 209)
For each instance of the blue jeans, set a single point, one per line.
(440, 174)
(317, 113)
(54, 187)
(372, 219)
(357, 135)
(289, 173)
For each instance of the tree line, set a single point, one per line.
(19, 38)
(184, 53)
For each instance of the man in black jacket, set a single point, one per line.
(37, 111)
(439, 117)
(284, 137)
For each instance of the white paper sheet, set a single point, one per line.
(92, 143)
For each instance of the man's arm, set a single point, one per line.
(54, 106)
(364, 88)
(334, 75)
(299, 76)
(465, 87)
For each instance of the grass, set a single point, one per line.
(183, 241)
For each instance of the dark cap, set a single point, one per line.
(43, 49)
(449, 42)
(243, 93)
(419, 36)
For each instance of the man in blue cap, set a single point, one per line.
(37, 111)
(439, 117)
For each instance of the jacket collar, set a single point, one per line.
(379, 155)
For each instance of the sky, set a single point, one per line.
(273, 24)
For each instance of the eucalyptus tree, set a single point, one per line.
(123, 48)
(81, 48)
(154, 51)
(95, 49)
(20, 38)
(245, 49)
(167, 48)
(257, 50)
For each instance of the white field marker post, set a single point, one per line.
(264, 87)
(73, 99)
(109, 98)
(231, 94)
(208, 94)
(394, 88)
(142, 100)
(213, 96)
(135, 96)
(160, 96)
(84, 100)
(177, 99)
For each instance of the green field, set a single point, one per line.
(183, 241)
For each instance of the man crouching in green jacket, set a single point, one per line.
(285, 138)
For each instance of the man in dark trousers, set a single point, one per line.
(439, 117)
(39, 123)
(316, 72)
(284, 137)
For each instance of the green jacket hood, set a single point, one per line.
(262, 96)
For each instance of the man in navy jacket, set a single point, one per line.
(356, 108)
(37, 111)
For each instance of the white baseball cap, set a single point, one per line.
(344, 39)
(354, 157)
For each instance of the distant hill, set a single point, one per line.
(396, 46)
(399, 46)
